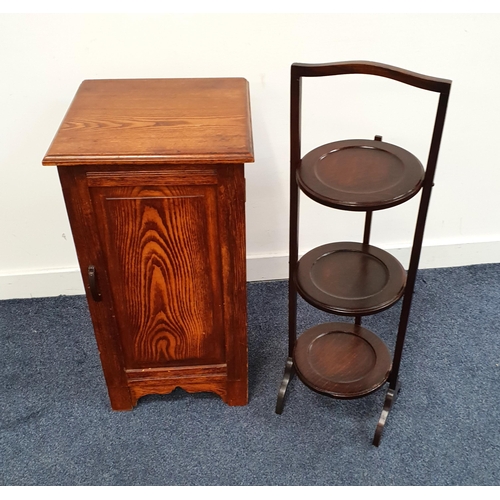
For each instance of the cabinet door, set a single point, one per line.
(160, 241)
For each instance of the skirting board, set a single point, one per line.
(54, 282)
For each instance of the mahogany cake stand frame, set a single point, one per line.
(345, 360)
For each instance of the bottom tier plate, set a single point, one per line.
(342, 360)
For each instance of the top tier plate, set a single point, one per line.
(360, 175)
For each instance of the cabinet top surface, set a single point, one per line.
(185, 120)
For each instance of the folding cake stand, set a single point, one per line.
(344, 360)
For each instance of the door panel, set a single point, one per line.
(164, 268)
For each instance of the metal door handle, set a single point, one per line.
(96, 295)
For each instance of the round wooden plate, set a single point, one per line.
(350, 279)
(360, 175)
(342, 360)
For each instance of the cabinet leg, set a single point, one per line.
(237, 393)
(121, 399)
(289, 371)
(390, 399)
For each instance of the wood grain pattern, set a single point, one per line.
(233, 254)
(213, 383)
(153, 178)
(195, 120)
(211, 378)
(171, 269)
(89, 251)
(163, 258)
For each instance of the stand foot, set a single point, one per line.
(289, 371)
(390, 399)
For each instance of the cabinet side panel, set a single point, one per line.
(161, 246)
(233, 251)
(83, 222)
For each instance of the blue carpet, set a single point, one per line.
(57, 428)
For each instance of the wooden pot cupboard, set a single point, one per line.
(152, 172)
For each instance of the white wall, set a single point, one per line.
(44, 57)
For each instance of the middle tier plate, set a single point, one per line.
(350, 279)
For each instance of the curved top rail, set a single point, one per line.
(372, 68)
